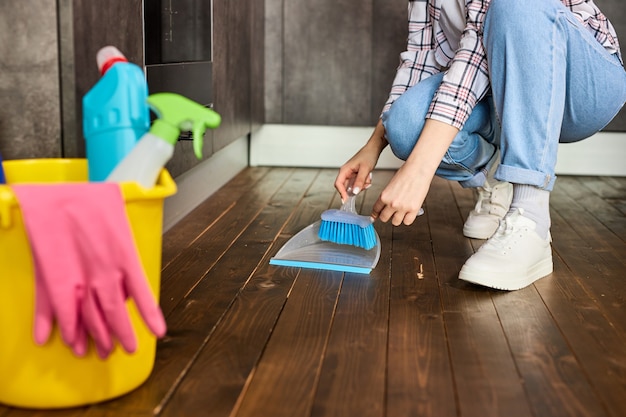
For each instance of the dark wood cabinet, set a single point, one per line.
(616, 12)
(237, 78)
(85, 28)
(236, 81)
(232, 69)
(332, 62)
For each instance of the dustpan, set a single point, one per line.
(307, 250)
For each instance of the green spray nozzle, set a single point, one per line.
(177, 113)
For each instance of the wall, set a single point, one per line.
(331, 62)
(29, 80)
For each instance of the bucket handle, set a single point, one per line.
(7, 200)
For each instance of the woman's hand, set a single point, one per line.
(357, 172)
(403, 197)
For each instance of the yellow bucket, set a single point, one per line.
(50, 376)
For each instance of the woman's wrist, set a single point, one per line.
(378, 141)
(434, 141)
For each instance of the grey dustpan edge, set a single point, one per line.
(306, 250)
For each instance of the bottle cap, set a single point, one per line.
(108, 56)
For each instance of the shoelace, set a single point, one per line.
(504, 238)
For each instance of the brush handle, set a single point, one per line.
(350, 204)
(347, 213)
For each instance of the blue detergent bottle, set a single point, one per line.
(115, 112)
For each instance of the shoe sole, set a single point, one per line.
(509, 282)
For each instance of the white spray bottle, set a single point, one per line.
(175, 114)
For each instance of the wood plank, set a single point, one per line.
(478, 348)
(593, 196)
(199, 220)
(570, 200)
(353, 374)
(616, 196)
(540, 364)
(248, 338)
(466, 201)
(183, 273)
(284, 381)
(420, 380)
(605, 187)
(235, 347)
(450, 247)
(191, 322)
(553, 379)
(597, 345)
(582, 243)
(465, 198)
(593, 363)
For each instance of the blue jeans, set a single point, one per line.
(551, 82)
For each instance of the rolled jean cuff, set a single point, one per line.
(518, 175)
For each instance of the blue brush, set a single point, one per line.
(346, 227)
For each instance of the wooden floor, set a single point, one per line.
(249, 339)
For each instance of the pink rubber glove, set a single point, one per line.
(86, 265)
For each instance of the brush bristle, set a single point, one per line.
(348, 234)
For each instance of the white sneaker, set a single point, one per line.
(492, 205)
(513, 258)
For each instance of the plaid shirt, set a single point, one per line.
(450, 39)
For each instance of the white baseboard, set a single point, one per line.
(197, 184)
(330, 146)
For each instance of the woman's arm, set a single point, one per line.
(401, 200)
(416, 63)
(464, 84)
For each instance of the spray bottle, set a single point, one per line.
(175, 114)
(115, 113)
